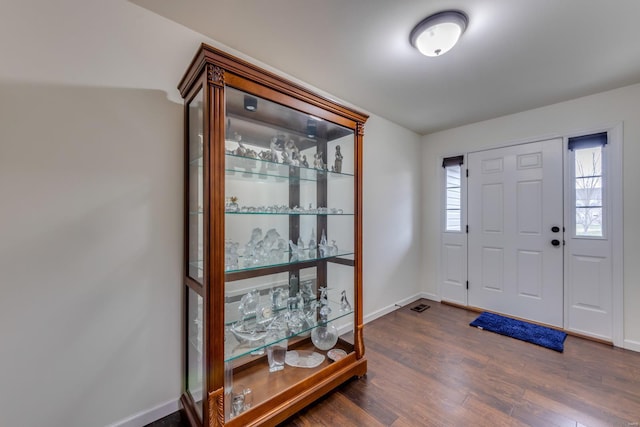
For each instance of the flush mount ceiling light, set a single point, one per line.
(437, 34)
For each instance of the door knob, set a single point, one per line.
(555, 228)
(555, 242)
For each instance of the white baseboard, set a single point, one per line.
(388, 309)
(430, 296)
(143, 418)
(631, 345)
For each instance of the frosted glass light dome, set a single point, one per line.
(437, 34)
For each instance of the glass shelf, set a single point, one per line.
(199, 265)
(235, 349)
(284, 213)
(287, 253)
(238, 167)
(278, 213)
(196, 161)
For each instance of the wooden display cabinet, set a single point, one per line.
(270, 169)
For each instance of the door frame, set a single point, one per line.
(615, 225)
(615, 176)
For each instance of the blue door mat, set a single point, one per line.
(524, 331)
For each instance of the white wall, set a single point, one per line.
(600, 110)
(90, 185)
(90, 212)
(391, 216)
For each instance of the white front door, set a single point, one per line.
(515, 239)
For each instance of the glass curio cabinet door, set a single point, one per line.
(195, 251)
(289, 246)
(273, 246)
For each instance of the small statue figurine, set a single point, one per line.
(249, 253)
(304, 162)
(297, 253)
(271, 238)
(323, 246)
(307, 291)
(288, 147)
(250, 153)
(256, 235)
(295, 160)
(333, 249)
(317, 161)
(241, 151)
(338, 163)
(273, 147)
(293, 153)
(285, 158)
(249, 303)
(265, 155)
(344, 302)
(278, 298)
(325, 310)
(313, 246)
(232, 205)
(230, 255)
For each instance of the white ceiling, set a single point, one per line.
(515, 55)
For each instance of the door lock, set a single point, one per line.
(555, 229)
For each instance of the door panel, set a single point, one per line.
(529, 195)
(493, 263)
(492, 212)
(453, 259)
(515, 197)
(529, 278)
(590, 295)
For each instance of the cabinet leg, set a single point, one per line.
(216, 408)
(359, 341)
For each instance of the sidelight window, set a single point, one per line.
(453, 191)
(589, 184)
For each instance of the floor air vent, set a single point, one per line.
(420, 308)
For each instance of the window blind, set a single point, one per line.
(588, 141)
(452, 161)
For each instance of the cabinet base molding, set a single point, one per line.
(301, 395)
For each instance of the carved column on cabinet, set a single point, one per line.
(215, 263)
(358, 319)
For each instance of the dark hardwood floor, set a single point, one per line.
(432, 369)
